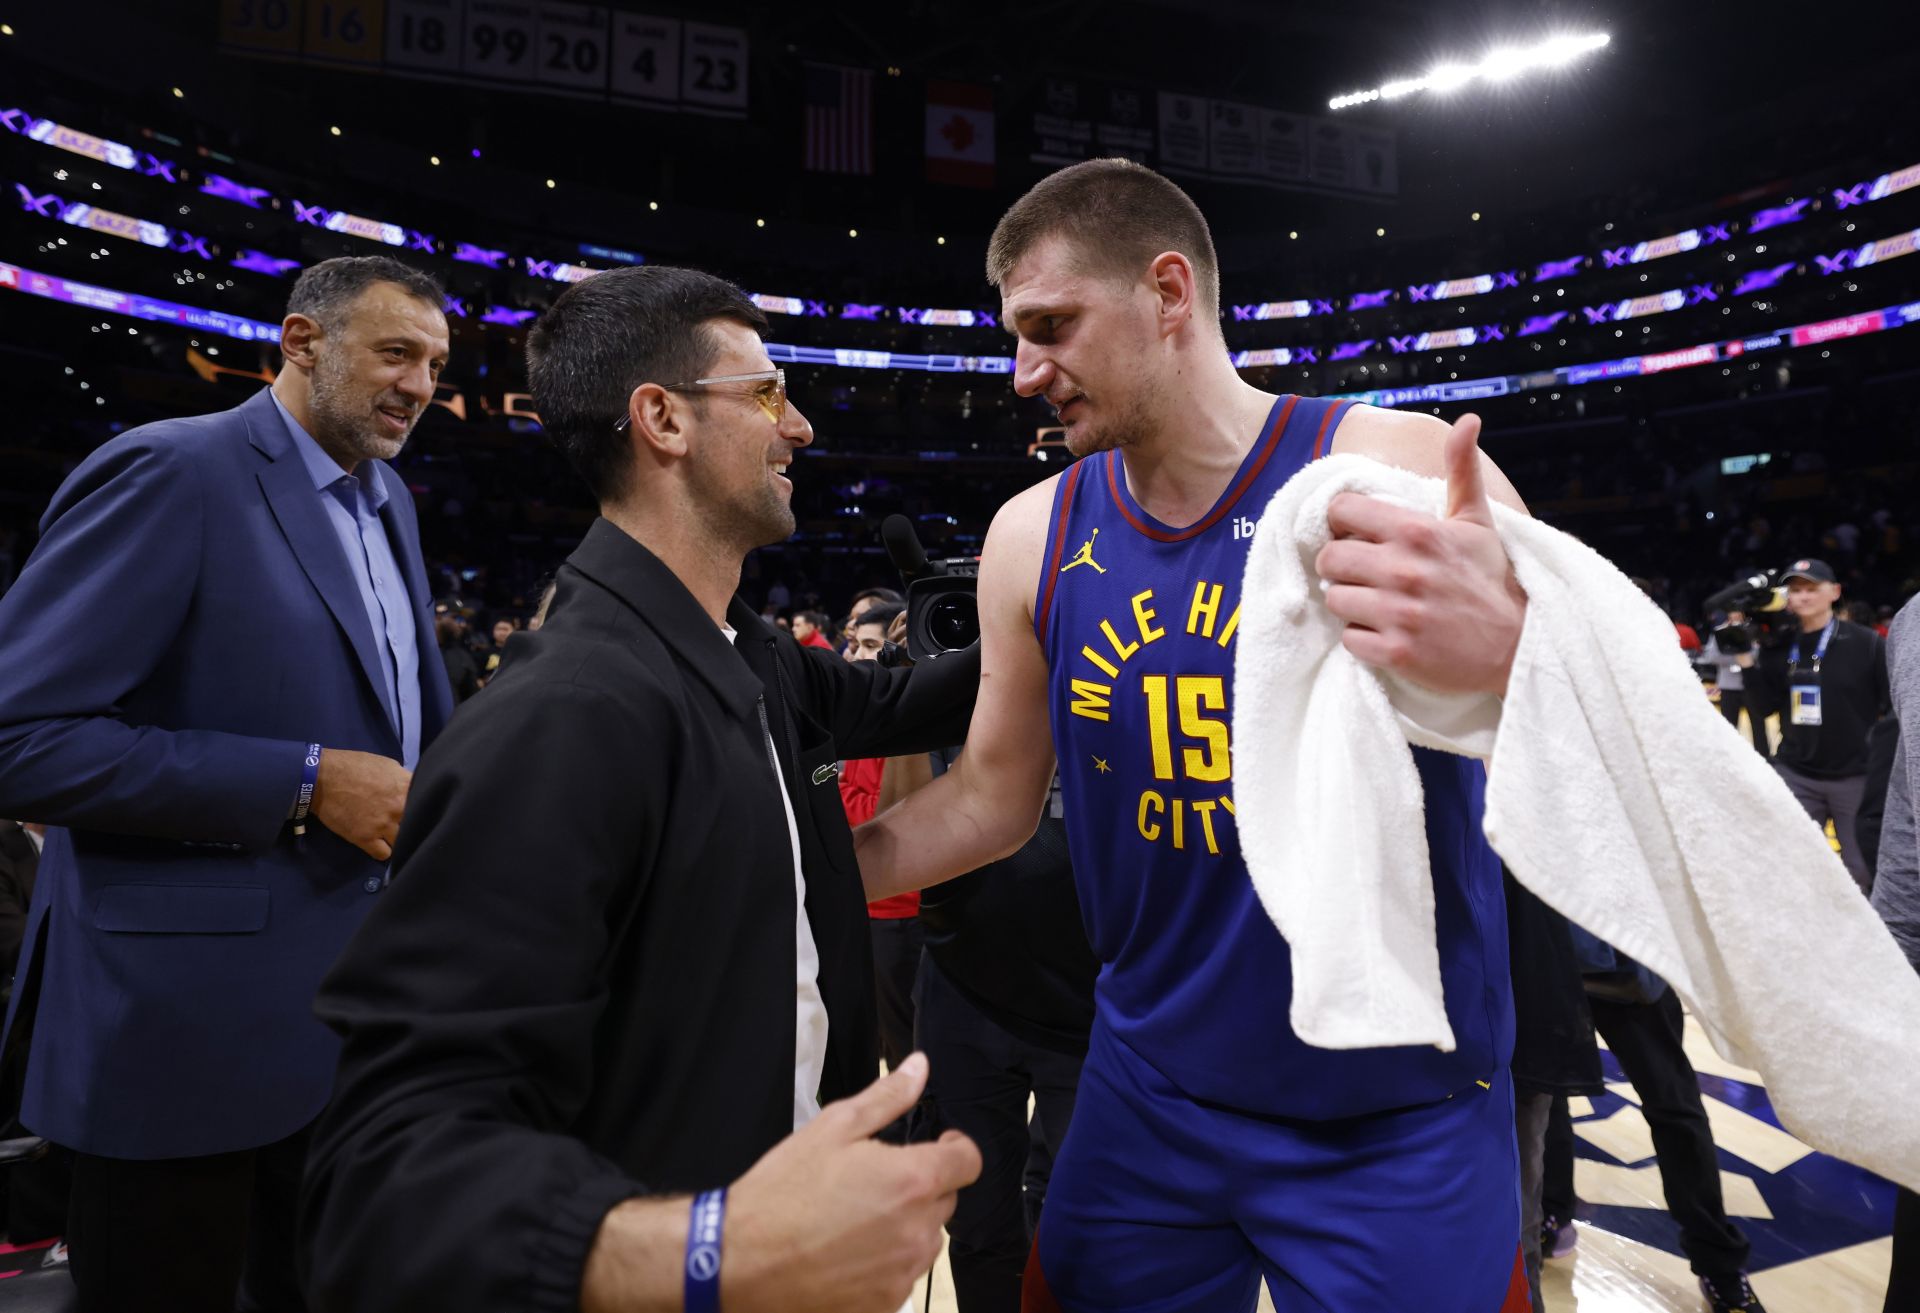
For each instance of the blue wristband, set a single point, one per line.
(702, 1290)
(309, 772)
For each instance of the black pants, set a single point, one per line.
(187, 1235)
(1646, 1041)
(979, 1083)
(896, 964)
(1903, 1283)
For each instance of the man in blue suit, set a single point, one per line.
(217, 672)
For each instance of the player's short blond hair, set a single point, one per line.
(1118, 215)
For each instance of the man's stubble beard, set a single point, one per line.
(746, 521)
(1130, 428)
(337, 427)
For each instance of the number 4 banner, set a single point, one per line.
(646, 60)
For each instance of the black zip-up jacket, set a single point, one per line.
(1853, 694)
(579, 986)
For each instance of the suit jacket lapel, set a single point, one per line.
(296, 506)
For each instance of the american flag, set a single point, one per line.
(839, 119)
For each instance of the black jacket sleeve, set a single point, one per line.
(1766, 683)
(875, 712)
(441, 1175)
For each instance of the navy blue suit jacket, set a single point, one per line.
(187, 625)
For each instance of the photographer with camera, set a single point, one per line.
(1827, 679)
(1729, 679)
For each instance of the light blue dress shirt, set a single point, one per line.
(353, 509)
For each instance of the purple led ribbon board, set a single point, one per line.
(14, 278)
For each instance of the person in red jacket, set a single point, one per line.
(809, 629)
(865, 784)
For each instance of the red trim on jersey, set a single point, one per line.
(1517, 1300)
(1052, 565)
(1270, 444)
(1035, 1296)
(1326, 422)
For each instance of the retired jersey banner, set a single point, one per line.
(960, 134)
(1076, 119)
(1226, 141)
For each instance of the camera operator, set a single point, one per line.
(868, 785)
(1827, 679)
(1730, 682)
(1003, 1002)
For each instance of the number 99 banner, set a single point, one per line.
(535, 45)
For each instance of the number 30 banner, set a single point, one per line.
(534, 45)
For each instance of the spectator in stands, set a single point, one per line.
(450, 632)
(1828, 684)
(867, 785)
(504, 627)
(217, 678)
(867, 598)
(626, 953)
(1896, 896)
(809, 629)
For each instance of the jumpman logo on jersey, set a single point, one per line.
(1085, 557)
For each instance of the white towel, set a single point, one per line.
(1615, 792)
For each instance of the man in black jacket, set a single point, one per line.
(625, 949)
(1828, 684)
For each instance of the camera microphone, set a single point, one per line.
(942, 613)
(1746, 588)
(904, 550)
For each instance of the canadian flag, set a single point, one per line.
(960, 134)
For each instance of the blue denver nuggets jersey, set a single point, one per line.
(1138, 623)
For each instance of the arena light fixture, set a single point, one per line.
(1501, 64)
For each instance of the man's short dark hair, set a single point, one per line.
(324, 291)
(881, 614)
(885, 596)
(1117, 215)
(605, 337)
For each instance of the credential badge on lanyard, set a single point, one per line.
(1804, 697)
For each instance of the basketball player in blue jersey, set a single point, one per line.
(1209, 1146)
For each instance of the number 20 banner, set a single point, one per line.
(534, 45)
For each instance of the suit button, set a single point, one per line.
(372, 885)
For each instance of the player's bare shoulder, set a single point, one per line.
(1396, 437)
(1412, 442)
(1016, 543)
